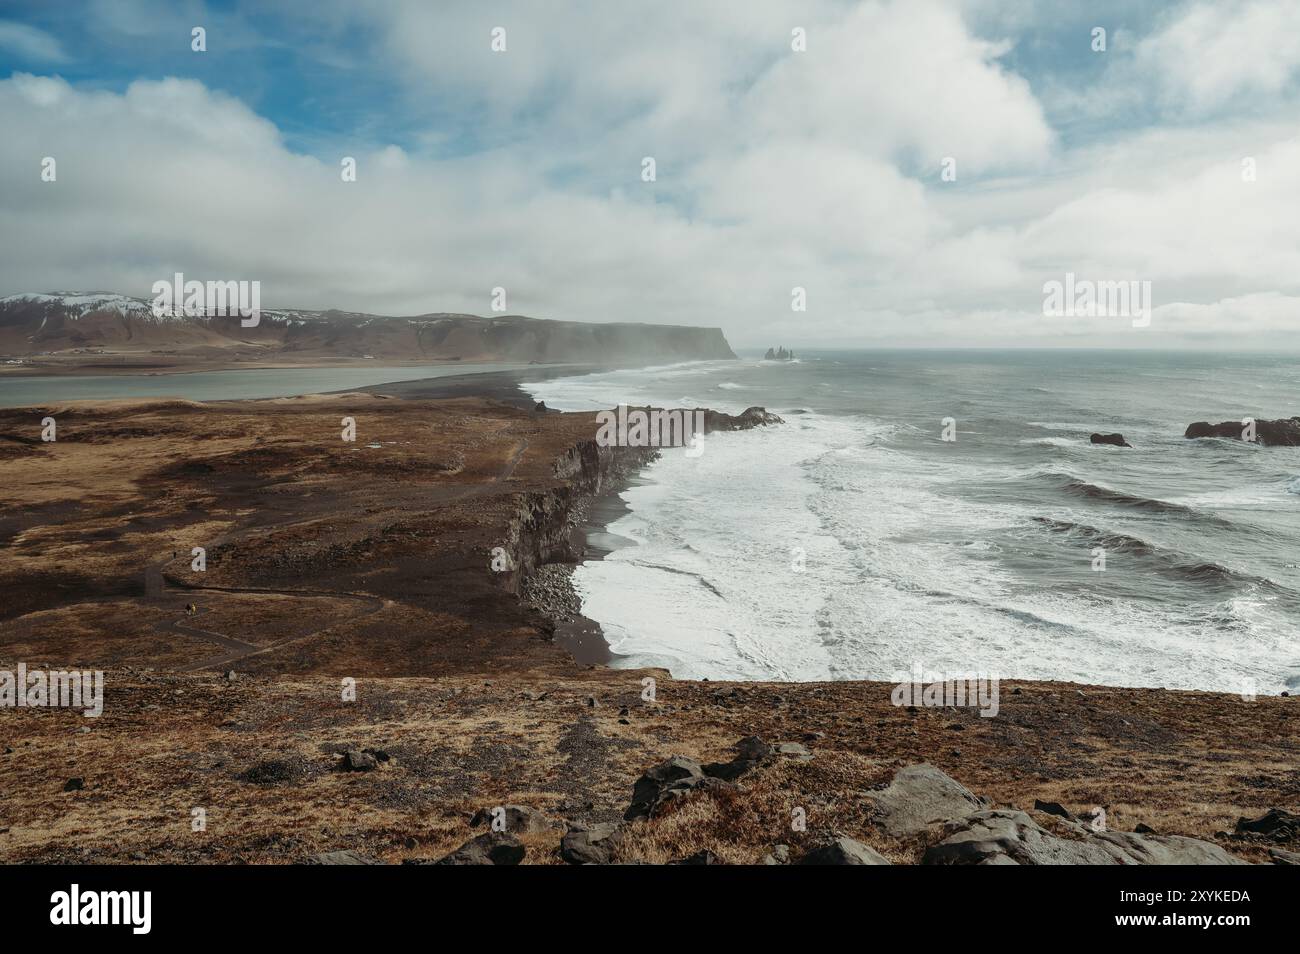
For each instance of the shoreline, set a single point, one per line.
(370, 560)
(590, 540)
(549, 589)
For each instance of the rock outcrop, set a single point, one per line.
(593, 845)
(669, 780)
(1115, 440)
(1280, 433)
(1009, 837)
(494, 848)
(918, 797)
(1277, 824)
(750, 417)
(839, 850)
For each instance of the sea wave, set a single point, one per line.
(1186, 567)
(1079, 487)
(1053, 441)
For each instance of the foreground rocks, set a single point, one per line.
(666, 782)
(843, 851)
(918, 797)
(1008, 837)
(591, 846)
(494, 848)
(1280, 433)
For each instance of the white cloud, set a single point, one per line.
(1213, 54)
(776, 169)
(29, 43)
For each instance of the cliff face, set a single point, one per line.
(540, 532)
(44, 324)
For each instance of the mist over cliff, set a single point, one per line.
(40, 324)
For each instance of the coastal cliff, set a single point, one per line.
(106, 329)
(363, 569)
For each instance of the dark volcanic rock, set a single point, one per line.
(357, 761)
(677, 774)
(494, 848)
(843, 851)
(1280, 433)
(1276, 824)
(74, 784)
(1053, 808)
(591, 846)
(750, 751)
(1115, 439)
(750, 417)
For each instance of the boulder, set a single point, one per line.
(1005, 837)
(750, 751)
(355, 760)
(1053, 808)
(592, 845)
(839, 850)
(1115, 440)
(1280, 433)
(920, 796)
(677, 774)
(1131, 848)
(494, 848)
(1001, 837)
(779, 855)
(518, 819)
(1280, 856)
(1277, 824)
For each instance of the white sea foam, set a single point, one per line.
(1052, 441)
(896, 567)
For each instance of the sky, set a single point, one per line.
(919, 169)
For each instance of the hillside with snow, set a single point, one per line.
(54, 325)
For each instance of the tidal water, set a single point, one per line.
(854, 542)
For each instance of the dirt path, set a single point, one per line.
(237, 649)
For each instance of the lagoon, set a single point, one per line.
(249, 383)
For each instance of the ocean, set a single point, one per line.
(855, 543)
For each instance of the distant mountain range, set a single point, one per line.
(86, 323)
